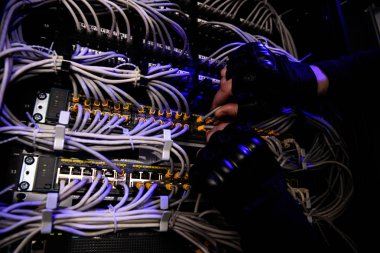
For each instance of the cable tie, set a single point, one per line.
(51, 49)
(60, 129)
(47, 214)
(137, 77)
(112, 210)
(35, 133)
(168, 142)
(164, 222)
(126, 132)
(310, 219)
(173, 219)
(57, 61)
(164, 202)
(303, 162)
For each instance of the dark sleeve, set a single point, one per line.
(352, 75)
(243, 179)
(274, 222)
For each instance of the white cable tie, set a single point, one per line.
(137, 77)
(125, 132)
(310, 219)
(35, 133)
(303, 162)
(57, 62)
(52, 200)
(168, 142)
(112, 210)
(51, 48)
(60, 130)
(164, 222)
(164, 202)
(47, 214)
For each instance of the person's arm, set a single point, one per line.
(238, 172)
(349, 76)
(322, 80)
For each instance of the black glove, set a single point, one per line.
(235, 161)
(238, 173)
(263, 82)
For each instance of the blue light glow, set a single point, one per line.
(244, 149)
(256, 141)
(228, 164)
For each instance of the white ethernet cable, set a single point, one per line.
(246, 38)
(327, 153)
(94, 79)
(84, 220)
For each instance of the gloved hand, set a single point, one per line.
(234, 168)
(238, 173)
(263, 82)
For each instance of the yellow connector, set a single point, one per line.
(139, 185)
(178, 124)
(151, 111)
(204, 128)
(75, 108)
(186, 117)
(168, 174)
(75, 100)
(186, 176)
(105, 104)
(199, 119)
(168, 114)
(96, 103)
(121, 173)
(178, 115)
(160, 113)
(117, 106)
(126, 107)
(141, 109)
(125, 116)
(201, 128)
(148, 185)
(186, 187)
(96, 111)
(209, 121)
(169, 187)
(176, 175)
(87, 103)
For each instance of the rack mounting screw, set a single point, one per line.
(29, 160)
(41, 96)
(24, 185)
(37, 117)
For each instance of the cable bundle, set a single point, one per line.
(157, 26)
(221, 55)
(326, 154)
(22, 221)
(262, 16)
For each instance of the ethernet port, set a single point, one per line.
(76, 171)
(154, 176)
(87, 172)
(109, 173)
(64, 170)
(145, 175)
(136, 174)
